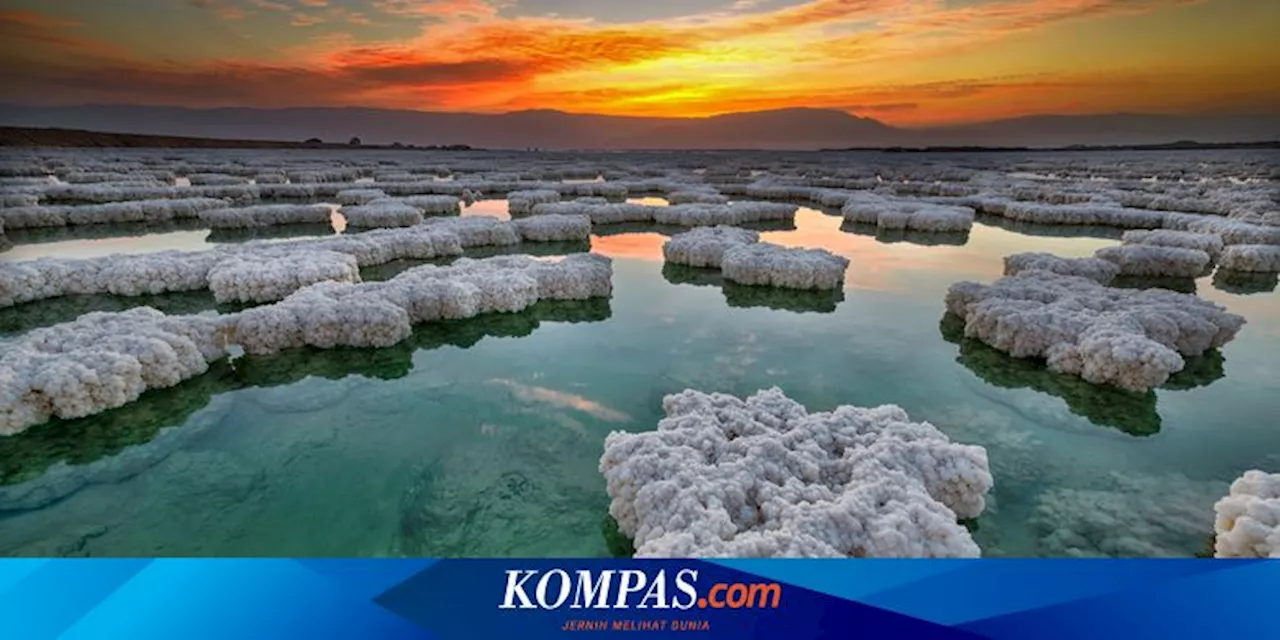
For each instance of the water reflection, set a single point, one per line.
(273, 232)
(53, 460)
(889, 236)
(40, 235)
(51, 311)
(1050, 230)
(1131, 412)
(1245, 282)
(746, 296)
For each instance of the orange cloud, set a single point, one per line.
(909, 63)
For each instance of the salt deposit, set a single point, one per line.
(554, 228)
(261, 277)
(359, 196)
(1251, 257)
(381, 213)
(705, 246)
(764, 477)
(1248, 518)
(99, 362)
(264, 215)
(1156, 261)
(1096, 269)
(522, 202)
(772, 265)
(380, 314)
(1206, 242)
(1133, 339)
(899, 213)
(429, 205)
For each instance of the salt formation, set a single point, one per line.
(522, 202)
(554, 228)
(427, 204)
(171, 271)
(264, 278)
(1156, 261)
(108, 213)
(1231, 231)
(764, 478)
(264, 215)
(99, 362)
(685, 215)
(1251, 257)
(899, 213)
(1206, 242)
(705, 246)
(772, 265)
(359, 196)
(1247, 520)
(18, 200)
(1096, 269)
(1133, 339)
(1102, 214)
(381, 213)
(697, 196)
(380, 314)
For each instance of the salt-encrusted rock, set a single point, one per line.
(18, 200)
(522, 202)
(1133, 339)
(359, 196)
(100, 361)
(1156, 261)
(477, 231)
(264, 215)
(264, 278)
(764, 477)
(1248, 518)
(705, 246)
(29, 217)
(900, 213)
(1232, 231)
(1206, 242)
(1251, 257)
(554, 228)
(773, 265)
(429, 205)
(697, 196)
(380, 314)
(1101, 214)
(1096, 269)
(381, 213)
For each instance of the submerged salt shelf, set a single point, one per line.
(723, 476)
(482, 436)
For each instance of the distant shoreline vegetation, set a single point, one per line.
(57, 137)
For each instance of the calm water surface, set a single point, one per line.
(482, 437)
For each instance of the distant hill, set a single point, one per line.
(53, 137)
(547, 129)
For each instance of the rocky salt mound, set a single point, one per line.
(522, 202)
(1206, 242)
(902, 213)
(101, 361)
(1132, 339)
(264, 278)
(1144, 260)
(776, 266)
(554, 228)
(265, 215)
(381, 214)
(1096, 269)
(380, 314)
(763, 477)
(705, 246)
(1248, 519)
(1263, 258)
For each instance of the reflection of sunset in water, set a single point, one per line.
(97, 247)
(492, 208)
(642, 246)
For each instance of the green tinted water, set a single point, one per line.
(482, 437)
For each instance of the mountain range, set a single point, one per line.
(799, 128)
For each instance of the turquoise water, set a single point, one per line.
(482, 437)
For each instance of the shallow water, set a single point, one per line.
(482, 437)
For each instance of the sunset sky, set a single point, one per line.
(906, 63)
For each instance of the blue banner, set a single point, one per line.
(244, 599)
